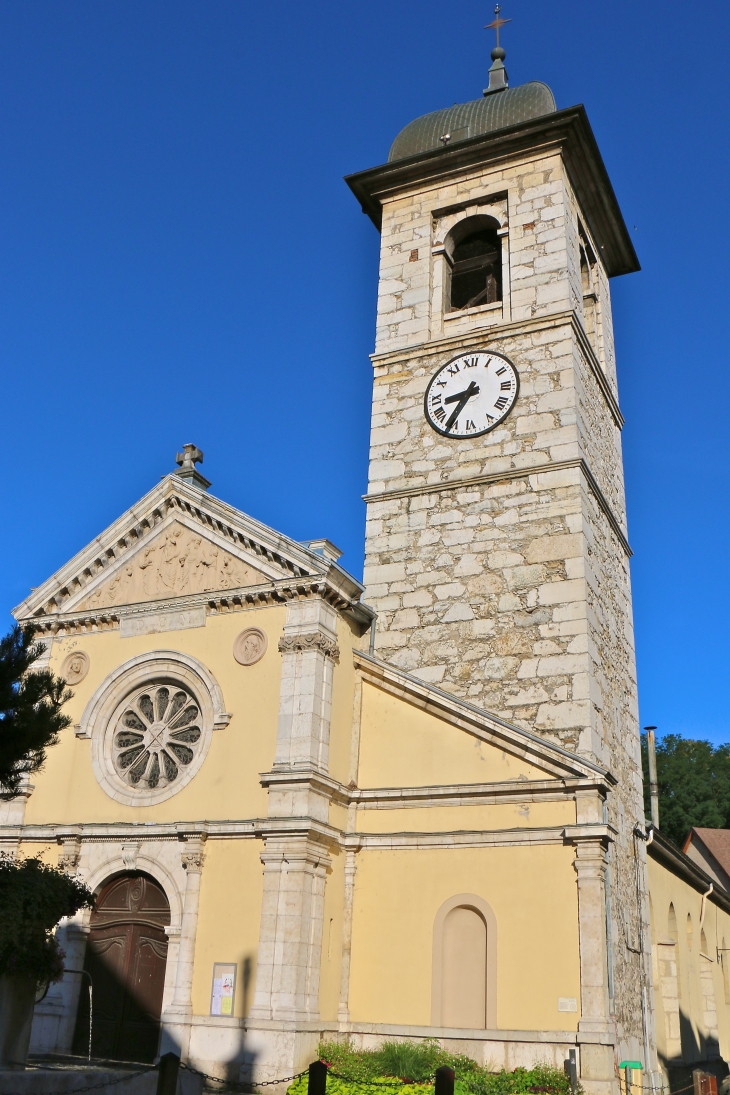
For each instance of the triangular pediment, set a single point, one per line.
(176, 542)
(486, 749)
(178, 561)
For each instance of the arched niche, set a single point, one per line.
(464, 977)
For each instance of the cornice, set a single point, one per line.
(229, 600)
(505, 475)
(472, 794)
(470, 339)
(565, 131)
(436, 347)
(480, 838)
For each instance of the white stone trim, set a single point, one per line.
(117, 686)
(114, 864)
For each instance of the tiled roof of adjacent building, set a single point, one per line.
(717, 842)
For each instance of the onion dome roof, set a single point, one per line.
(463, 120)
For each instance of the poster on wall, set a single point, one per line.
(224, 988)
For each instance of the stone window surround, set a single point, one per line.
(473, 901)
(133, 674)
(444, 221)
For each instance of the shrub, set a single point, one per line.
(33, 898)
(403, 1068)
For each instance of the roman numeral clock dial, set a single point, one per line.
(471, 394)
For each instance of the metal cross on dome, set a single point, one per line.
(498, 23)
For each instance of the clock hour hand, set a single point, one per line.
(463, 398)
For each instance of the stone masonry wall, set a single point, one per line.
(510, 587)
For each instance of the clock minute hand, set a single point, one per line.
(463, 398)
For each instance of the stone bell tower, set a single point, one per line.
(498, 559)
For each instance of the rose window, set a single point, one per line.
(157, 736)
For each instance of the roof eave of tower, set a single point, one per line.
(568, 130)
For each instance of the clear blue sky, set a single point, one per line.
(181, 261)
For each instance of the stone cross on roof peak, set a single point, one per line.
(187, 459)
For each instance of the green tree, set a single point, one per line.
(33, 898)
(694, 785)
(30, 709)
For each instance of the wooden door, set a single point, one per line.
(126, 955)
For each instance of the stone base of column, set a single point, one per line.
(175, 1038)
(597, 1071)
(276, 1051)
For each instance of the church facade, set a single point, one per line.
(412, 808)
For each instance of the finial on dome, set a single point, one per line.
(498, 80)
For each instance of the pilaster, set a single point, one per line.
(309, 651)
(176, 1019)
(343, 1011)
(290, 939)
(595, 1029)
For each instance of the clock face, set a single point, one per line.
(471, 394)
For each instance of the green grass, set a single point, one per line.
(407, 1068)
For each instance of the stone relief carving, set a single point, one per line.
(250, 646)
(309, 640)
(75, 667)
(177, 562)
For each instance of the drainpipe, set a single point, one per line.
(703, 906)
(653, 783)
(372, 635)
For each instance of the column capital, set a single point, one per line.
(309, 640)
(192, 855)
(70, 854)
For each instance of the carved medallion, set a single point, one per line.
(75, 667)
(250, 646)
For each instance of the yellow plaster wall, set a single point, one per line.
(227, 785)
(331, 962)
(434, 819)
(667, 888)
(343, 685)
(532, 891)
(404, 746)
(48, 853)
(228, 920)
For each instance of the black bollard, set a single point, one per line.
(571, 1070)
(444, 1081)
(317, 1078)
(167, 1071)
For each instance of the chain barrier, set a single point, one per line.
(249, 1087)
(641, 1090)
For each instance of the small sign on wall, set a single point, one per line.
(224, 988)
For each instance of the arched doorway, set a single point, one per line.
(126, 955)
